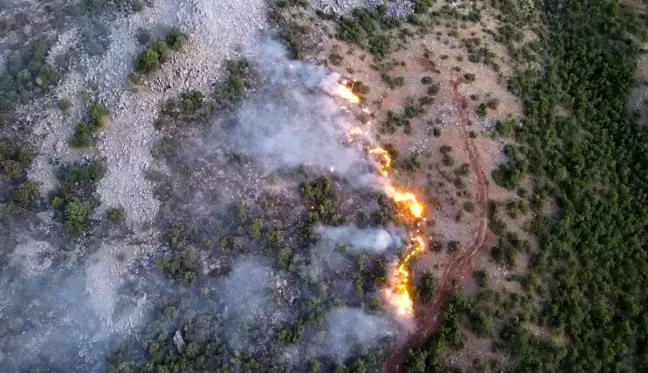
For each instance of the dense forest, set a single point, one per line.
(590, 272)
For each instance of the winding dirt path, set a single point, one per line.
(461, 265)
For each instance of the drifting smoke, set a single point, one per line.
(245, 289)
(358, 239)
(245, 294)
(349, 330)
(294, 119)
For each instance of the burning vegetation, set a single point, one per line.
(398, 294)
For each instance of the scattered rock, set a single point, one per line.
(179, 342)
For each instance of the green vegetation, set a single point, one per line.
(26, 76)
(83, 133)
(150, 60)
(14, 160)
(26, 192)
(64, 105)
(393, 82)
(591, 265)
(75, 197)
(365, 29)
(116, 214)
(240, 74)
(426, 288)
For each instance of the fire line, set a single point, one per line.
(398, 293)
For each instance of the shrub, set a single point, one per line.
(453, 247)
(393, 83)
(148, 62)
(427, 80)
(380, 45)
(493, 103)
(175, 39)
(505, 127)
(433, 89)
(359, 88)
(98, 114)
(25, 192)
(143, 36)
(82, 135)
(436, 132)
(116, 214)
(445, 149)
(64, 104)
(426, 289)
(481, 110)
(422, 6)
(469, 77)
(76, 215)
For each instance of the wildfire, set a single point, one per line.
(415, 207)
(343, 91)
(386, 159)
(398, 293)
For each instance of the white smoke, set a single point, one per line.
(348, 329)
(293, 119)
(359, 239)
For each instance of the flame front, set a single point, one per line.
(407, 199)
(398, 294)
(385, 157)
(346, 93)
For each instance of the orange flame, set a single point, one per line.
(386, 159)
(346, 93)
(398, 294)
(408, 199)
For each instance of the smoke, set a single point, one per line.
(351, 330)
(360, 240)
(292, 119)
(245, 289)
(252, 313)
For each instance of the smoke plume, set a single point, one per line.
(293, 119)
(350, 329)
(360, 240)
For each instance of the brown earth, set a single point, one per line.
(462, 264)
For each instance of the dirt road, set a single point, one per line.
(465, 262)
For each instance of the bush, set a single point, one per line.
(64, 105)
(148, 61)
(25, 192)
(393, 83)
(76, 215)
(380, 45)
(427, 80)
(175, 39)
(359, 88)
(116, 214)
(426, 289)
(82, 135)
(98, 114)
(422, 6)
(469, 77)
(481, 110)
(505, 127)
(493, 103)
(434, 89)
